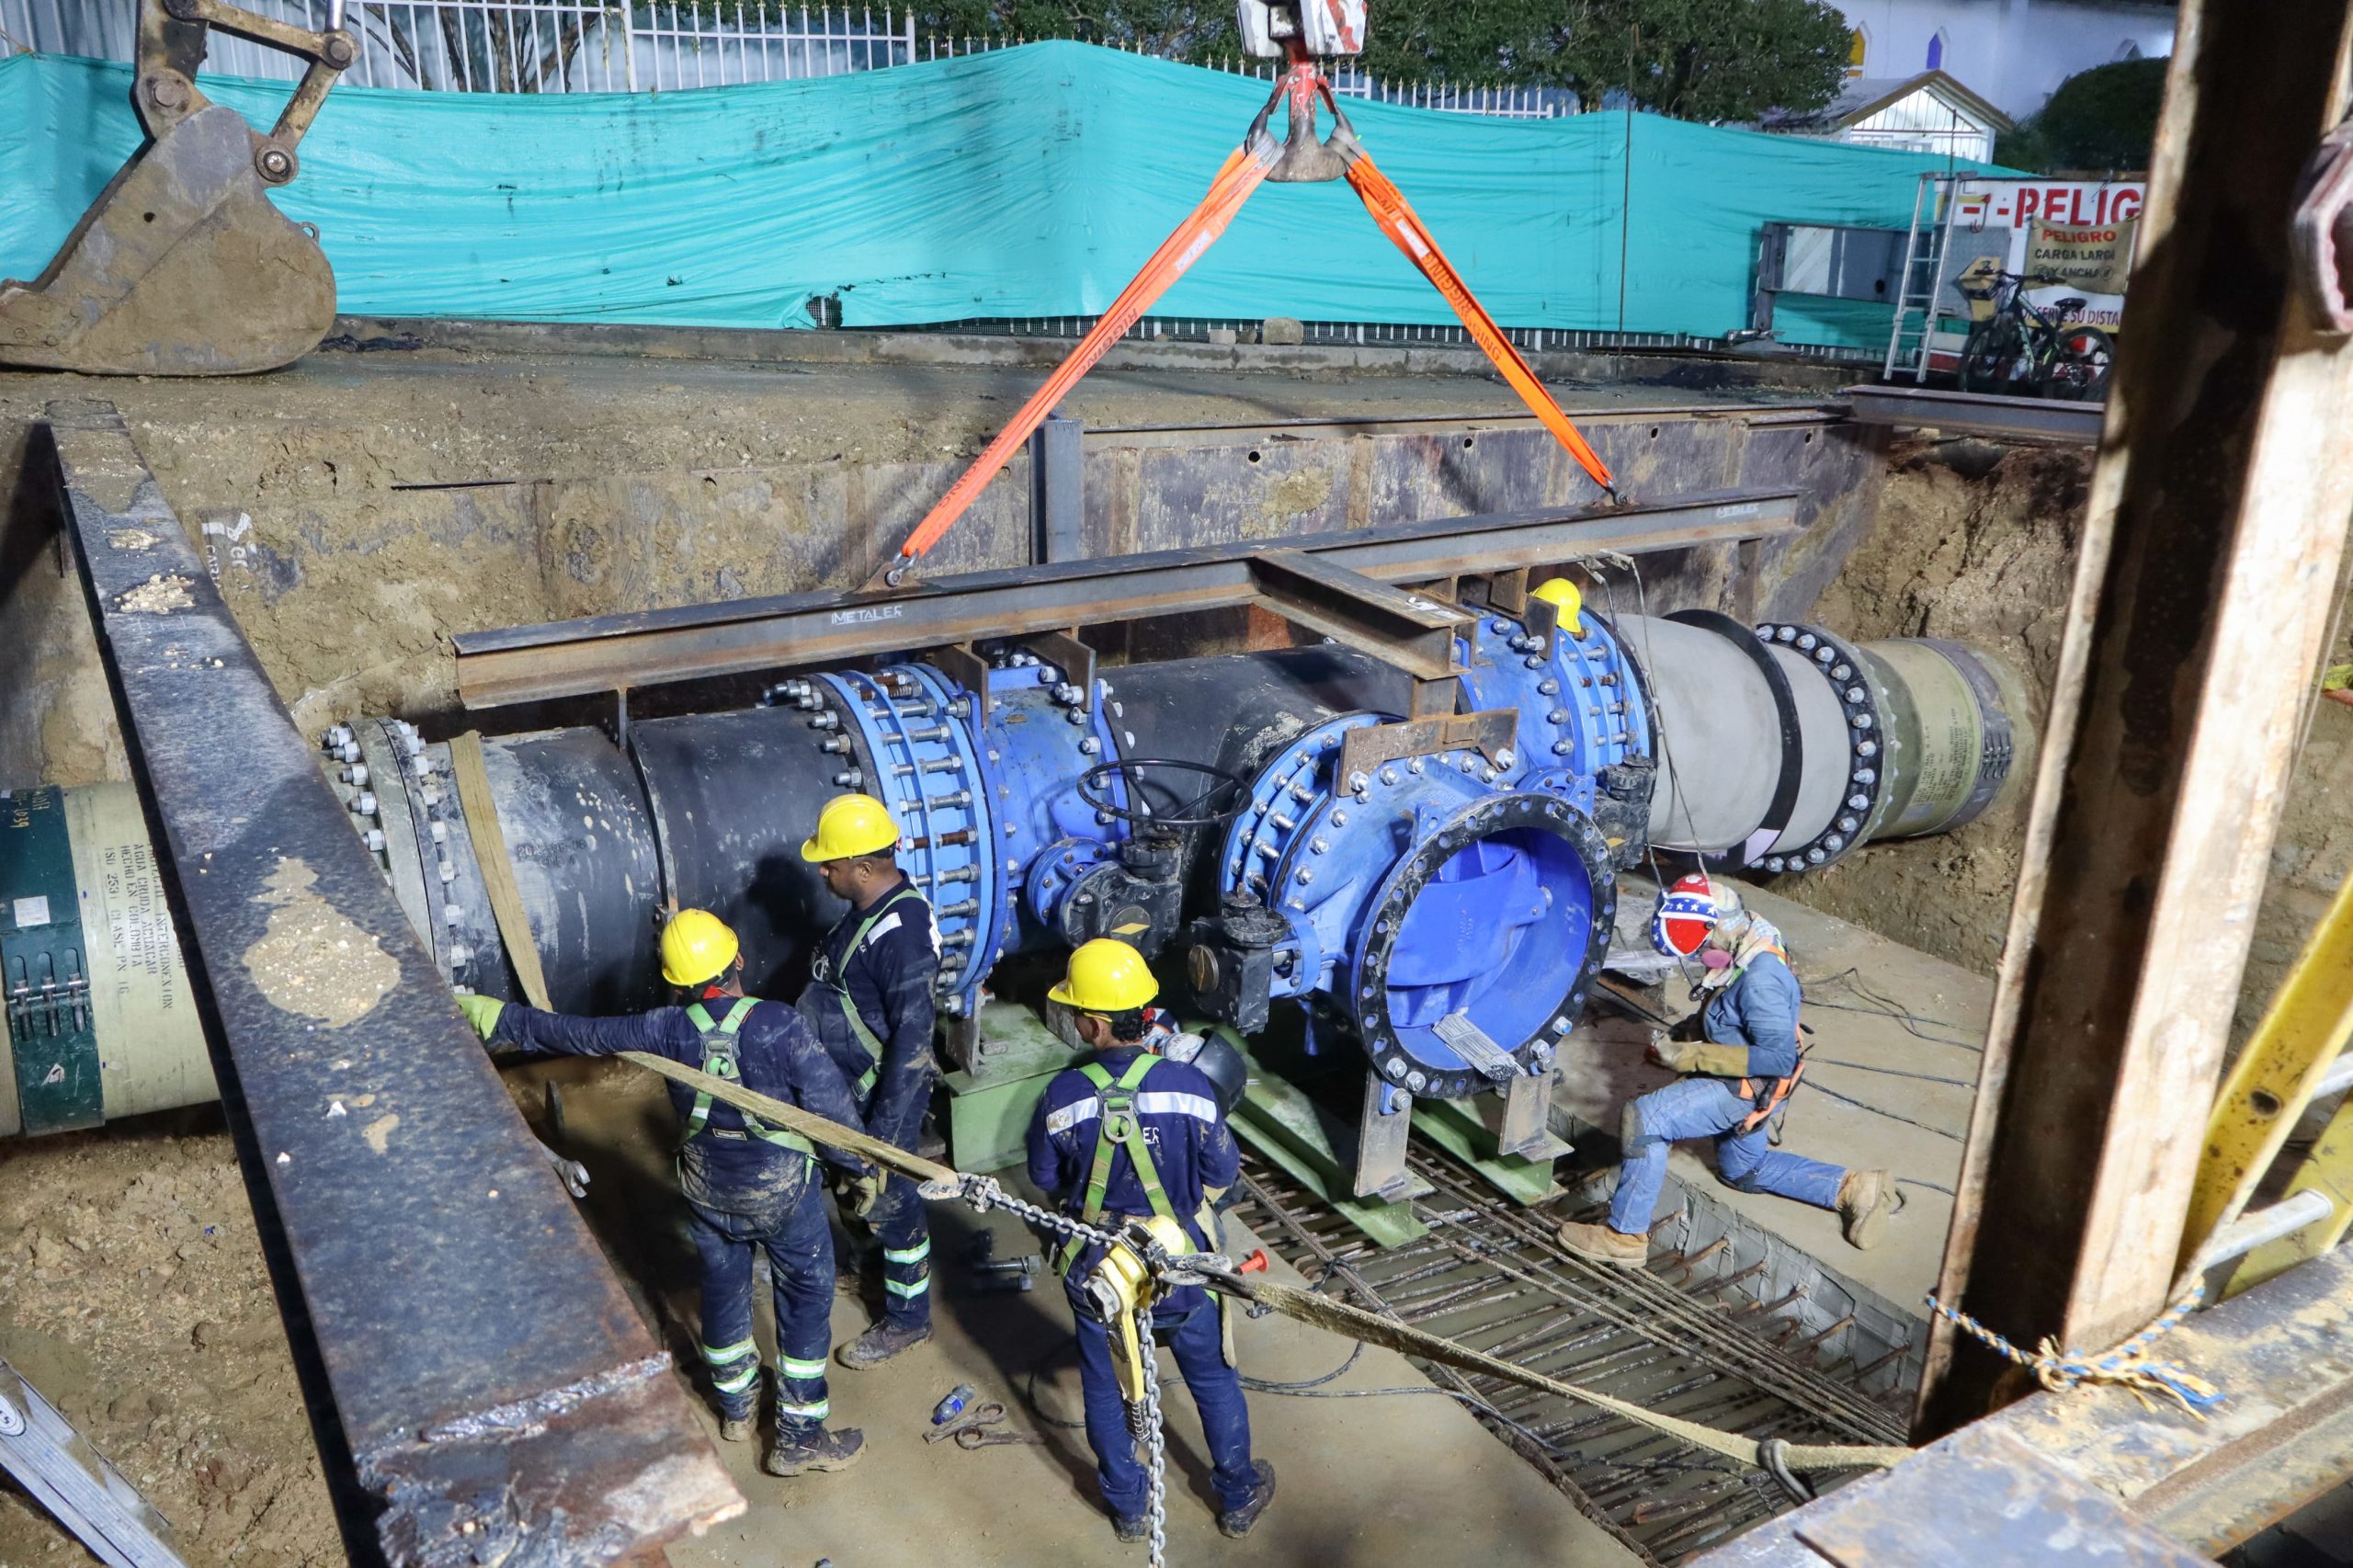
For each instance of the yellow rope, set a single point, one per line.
(1302, 1306)
(2127, 1367)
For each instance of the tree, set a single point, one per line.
(2103, 119)
(1712, 60)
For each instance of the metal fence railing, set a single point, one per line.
(516, 46)
(585, 46)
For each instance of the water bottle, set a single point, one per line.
(948, 1409)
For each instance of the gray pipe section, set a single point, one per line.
(1945, 737)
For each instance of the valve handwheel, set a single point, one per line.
(1221, 802)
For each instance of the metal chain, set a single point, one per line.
(1156, 1441)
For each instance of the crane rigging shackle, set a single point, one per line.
(1297, 32)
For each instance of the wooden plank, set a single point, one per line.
(2201, 600)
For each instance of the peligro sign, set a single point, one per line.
(2083, 231)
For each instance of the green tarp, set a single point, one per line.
(1026, 182)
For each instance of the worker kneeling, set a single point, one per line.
(746, 1184)
(1127, 1135)
(1742, 1054)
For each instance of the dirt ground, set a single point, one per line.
(133, 1296)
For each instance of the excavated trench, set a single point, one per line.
(359, 509)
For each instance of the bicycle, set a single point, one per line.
(2028, 350)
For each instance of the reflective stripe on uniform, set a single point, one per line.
(816, 1412)
(839, 981)
(915, 1254)
(1165, 1103)
(917, 1288)
(800, 1371)
(736, 1382)
(726, 1353)
(1071, 1115)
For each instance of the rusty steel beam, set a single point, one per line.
(2038, 419)
(2202, 603)
(481, 1389)
(615, 653)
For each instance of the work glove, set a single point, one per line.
(1690, 1027)
(863, 1192)
(1702, 1056)
(482, 1012)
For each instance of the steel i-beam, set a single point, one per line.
(460, 1334)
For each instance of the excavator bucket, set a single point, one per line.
(182, 267)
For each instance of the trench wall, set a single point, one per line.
(359, 509)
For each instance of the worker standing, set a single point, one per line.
(746, 1184)
(870, 1000)
(1743, 1055)
(1128, 1135)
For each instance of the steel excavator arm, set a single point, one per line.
(183, 266)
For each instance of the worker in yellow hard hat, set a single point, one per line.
(1131, 1134)
(1568, 603)
(870, 999)
(746, 1184)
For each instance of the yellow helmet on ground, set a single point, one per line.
(1564, 595)
(697, 946)
(851, 824)
(1106, 976)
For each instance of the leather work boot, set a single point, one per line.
(825, 1450)
(735, 1429)
(1135, 1528)
(1601, 1244)
(1866, 1198)
(879, 1344)
(1234, 1523)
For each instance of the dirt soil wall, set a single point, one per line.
(1976, 543)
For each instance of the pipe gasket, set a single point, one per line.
(1784, 803)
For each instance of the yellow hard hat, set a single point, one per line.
(1106, 976)
(851, 824)
(697, 946)
(1564, 593)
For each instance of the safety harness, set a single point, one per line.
(1767, 1094)
(1120, 1129)
(839, 980)
(719, 1060)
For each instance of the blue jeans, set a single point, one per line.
(1196, 1341)
(1707, 1107)
(791, 1228)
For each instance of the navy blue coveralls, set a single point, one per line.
(1193, 1150)
(741, 1190)
(869, 1002)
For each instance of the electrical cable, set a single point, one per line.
(1813, 1061)
(1882, 1110)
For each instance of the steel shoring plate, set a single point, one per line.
(482, 1388)
(1487, 1273)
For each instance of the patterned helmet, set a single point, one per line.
(1688, 911)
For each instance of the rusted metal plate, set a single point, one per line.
(2038, 419)
(483, 1389)
(1985, 1499)
(1490, 734)
(619, 652)
(1408, 629)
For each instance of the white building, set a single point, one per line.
(2013, 52)
(1927, 113)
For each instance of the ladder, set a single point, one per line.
(2296, 1057)
(1923, 276)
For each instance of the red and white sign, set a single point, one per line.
(2073, 228)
